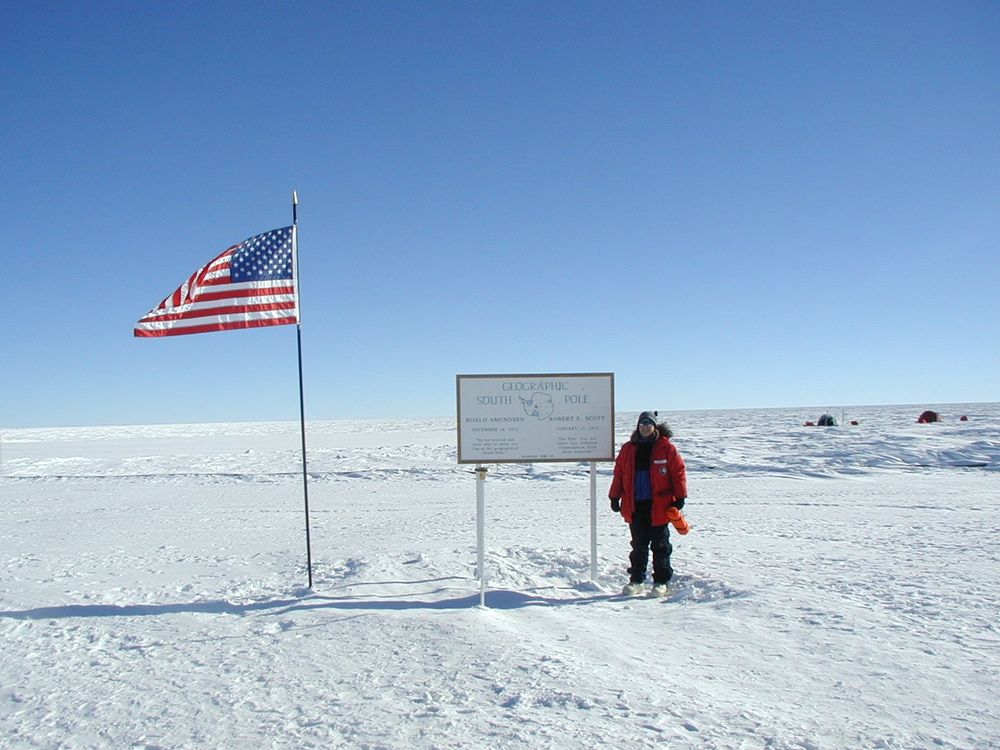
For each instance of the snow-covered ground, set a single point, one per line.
(840, 588)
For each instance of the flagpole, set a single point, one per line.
(302, 401)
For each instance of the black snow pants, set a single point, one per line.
(646, 537)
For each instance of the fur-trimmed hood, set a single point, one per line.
(661, 428)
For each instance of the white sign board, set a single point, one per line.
(536, 418)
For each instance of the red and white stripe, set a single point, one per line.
(209, 301)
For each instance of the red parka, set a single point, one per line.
(667, 476)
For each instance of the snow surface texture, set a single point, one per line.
(839, 589)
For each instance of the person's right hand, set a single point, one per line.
(616, 504)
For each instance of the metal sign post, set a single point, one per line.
(481, 532)
(593, 521)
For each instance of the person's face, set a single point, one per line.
(646, 428)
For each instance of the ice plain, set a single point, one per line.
(840, 588)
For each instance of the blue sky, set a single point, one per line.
(725, 204)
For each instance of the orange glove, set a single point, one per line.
(678, 521)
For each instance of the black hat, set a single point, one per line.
(647, 416)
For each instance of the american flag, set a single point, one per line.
(248, 285)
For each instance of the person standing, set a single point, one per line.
(649, 488)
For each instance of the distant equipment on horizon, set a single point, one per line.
(926, 417)
(825, 420)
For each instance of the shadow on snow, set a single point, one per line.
(687, 590)
(501, 599)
